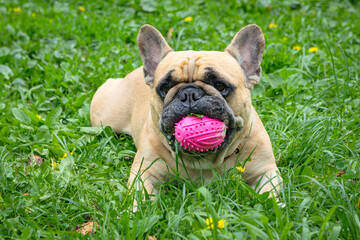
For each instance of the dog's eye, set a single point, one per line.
(222, 88)
(164, 89)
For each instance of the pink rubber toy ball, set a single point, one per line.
(200, 134)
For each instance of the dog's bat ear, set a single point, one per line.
(153, 48)
(247, 48)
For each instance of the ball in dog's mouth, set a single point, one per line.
(200, 134)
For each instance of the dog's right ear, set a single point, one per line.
(153, 48)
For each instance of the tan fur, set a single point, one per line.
(129, 105)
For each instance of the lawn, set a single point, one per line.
(60, 176)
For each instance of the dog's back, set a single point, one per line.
(113, 103)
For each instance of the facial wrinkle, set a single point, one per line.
(183, 65)
(191, 69)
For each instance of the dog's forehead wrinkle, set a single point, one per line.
(191, 69)
(191, 66)
(188, 68)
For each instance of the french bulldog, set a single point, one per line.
(170, 85)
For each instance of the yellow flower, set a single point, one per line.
(17, 10)
(188, 19)
(272, 25)
(65, 155)
(50, 20)
(210, 223)
(241, 169)
(54, 164)
(33, 14)
(297, 48)
(222, 223)
(313, 49)
(81, 9)
(39, 117)
(284, 39)
(72, 153)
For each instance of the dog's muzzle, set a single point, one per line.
(192, 99)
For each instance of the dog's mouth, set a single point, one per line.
(193, 100)
(176, 146)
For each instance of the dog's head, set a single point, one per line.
(210, 83)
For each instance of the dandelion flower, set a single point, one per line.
(284, 39)
(39, 117)
(188, 19)
(272, 25)
(313, 49)
(81, 9)
(17, 10)
(297, 48)
(50, 20)
(209, 222)
(241, 169)
(33, 14)
(221, 223)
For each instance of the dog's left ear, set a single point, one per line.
(153, 48)
(247, 48)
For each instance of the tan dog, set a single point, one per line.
(215, 84)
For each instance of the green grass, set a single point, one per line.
(52, 59)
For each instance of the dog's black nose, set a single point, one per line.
(189, 95)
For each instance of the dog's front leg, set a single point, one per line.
(140, 179)
(145, 175)
(263, 177)
(269, 181)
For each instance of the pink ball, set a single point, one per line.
(200, 134)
